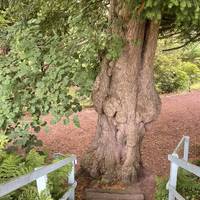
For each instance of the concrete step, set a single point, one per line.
(92, 194)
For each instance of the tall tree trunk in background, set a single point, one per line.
(125, 99)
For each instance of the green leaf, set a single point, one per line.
(76, 121)
(66, 121)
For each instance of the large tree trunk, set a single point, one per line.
(125, 99)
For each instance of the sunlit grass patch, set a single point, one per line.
(195, 86)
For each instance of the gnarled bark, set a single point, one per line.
(125, 99)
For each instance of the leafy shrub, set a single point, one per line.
(12, 166)
(192, 71)
(192, 54)
(171, 79)
(175, 71)
(188, 186)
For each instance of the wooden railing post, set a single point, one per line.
(186, 148)
(173, 178)
(41, 182)
(71, 180)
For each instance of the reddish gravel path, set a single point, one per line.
(180, 115)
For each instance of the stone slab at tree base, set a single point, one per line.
(97, 194)
(144, 189)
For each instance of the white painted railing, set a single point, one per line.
(40, 176)
(177, 162)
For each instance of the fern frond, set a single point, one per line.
(12, 166)
(9, 167)
(29, 193)
(34, 159)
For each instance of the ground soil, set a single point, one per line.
(180, 116)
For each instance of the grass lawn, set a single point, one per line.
(195, 86)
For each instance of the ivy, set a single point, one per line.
(115, 47)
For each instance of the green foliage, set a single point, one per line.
(53, 46)
(187, 185)
(12, 166)
(192, 54)
(192, 71)
(76, 121)
(178, 10)
(168, 74)
(161, 192)
(115, 47)
(33, 159)
(29, 192)
(3, 141)
(57, 181)
(171, 80)
(175, 71)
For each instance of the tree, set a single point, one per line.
(125, 99)
(123, 35)
(124, 95)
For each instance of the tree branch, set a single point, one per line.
(169, 35)
(194, 39)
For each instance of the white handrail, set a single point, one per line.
(176, 162)
(185, 165)
(40, 175)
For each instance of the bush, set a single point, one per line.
(171, 80)
(192, 71)
(173, 73)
